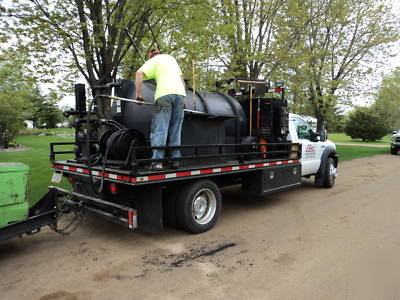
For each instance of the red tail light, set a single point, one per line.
(113, 188)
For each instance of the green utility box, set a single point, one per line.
(14, 205)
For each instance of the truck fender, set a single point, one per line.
(329, 151)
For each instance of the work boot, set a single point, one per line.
(156, 166)
(173, 165)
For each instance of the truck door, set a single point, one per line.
(311, 150)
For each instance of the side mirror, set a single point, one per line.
(314, 137)
(323, 134)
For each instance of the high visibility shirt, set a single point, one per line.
(164, 69)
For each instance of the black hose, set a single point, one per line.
(98, 158)
(114, 143)
(89, 163)
(110, 142)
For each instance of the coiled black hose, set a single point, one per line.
(96, 156)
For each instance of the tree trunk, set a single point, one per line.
(103, 104)
(320, 122)
(6, 140)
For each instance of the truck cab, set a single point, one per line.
(319, 157)
(395, 143)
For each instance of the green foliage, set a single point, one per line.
(44, 112)
(21, 99)
(335, 120)
(14, 104)
(317, 46)
(339, 39)
(244, 31)
(32, 131)
(364, 123)
(48, 131)
(85, 36)
(387, 103)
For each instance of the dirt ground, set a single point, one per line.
(307, 243)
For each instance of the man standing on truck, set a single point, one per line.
(169, 100)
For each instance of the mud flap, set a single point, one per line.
(149, 208)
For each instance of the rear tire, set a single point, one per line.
(198, 206)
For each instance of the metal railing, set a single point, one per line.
(141, 155)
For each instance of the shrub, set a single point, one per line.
(32, 131)
(364, 123)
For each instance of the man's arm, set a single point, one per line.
(138, 85)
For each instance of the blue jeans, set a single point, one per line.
(167, 124)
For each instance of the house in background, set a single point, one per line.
(28, 124)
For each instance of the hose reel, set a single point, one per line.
(116, 143)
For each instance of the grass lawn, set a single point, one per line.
(343, 138)
(37, 157)
(352, 152)
(60, 130)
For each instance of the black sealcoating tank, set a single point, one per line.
(222, 122)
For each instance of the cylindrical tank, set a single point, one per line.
(223, 122)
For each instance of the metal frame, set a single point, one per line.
(117, 213)
(28, 226)
(132, 162)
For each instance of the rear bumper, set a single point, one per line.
(117, 213)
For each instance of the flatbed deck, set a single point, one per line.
(145, 176)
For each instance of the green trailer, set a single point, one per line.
(16, 217)
(14, 205)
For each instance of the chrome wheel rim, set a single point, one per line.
(332, 173)
(204, 205)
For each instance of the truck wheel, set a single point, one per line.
(393, 151)
(330, 173)
(198, 206)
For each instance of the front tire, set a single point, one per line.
(393, 150)
(198, 206)
(328, 177)
(330, 173)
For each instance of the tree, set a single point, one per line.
(89, 36)
(44, 109)
(387, 103)
(335, 120)
(364, 123)
(180, 29)
(14, 104)
(250, 37)
(340, 39)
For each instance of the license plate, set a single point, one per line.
(56, 177)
